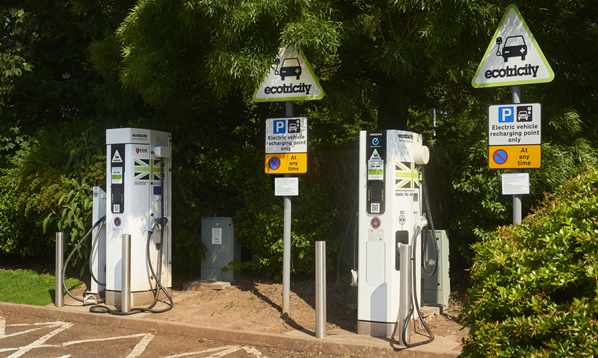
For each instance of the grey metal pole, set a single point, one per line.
(286, 257)
(286, 241)
(516, 92)
(320, 289)
(404, 289)
(517, 214)
(59, 289)
(125, 293)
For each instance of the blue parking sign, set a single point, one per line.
(506, 114)
(279, 126)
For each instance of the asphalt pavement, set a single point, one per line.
(32, 336)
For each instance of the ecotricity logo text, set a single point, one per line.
(513, 71)
(290, 88)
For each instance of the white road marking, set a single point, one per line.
(54, 323)
(254, 351)
(40, 346)
(220, 352)
(40, 341)
(48, 324)
(225, 352)
(71, 343)
(209, 350)
(20, 333)
(141, 346)
(137, 350)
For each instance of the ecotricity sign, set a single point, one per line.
(513, 56)
(290, 78)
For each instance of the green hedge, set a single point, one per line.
(535, 286)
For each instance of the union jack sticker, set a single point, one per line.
(406, 176)
(147, 171)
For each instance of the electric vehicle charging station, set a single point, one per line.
(390, 220)
(138, 194)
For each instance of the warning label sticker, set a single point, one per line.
(116, 176)
(117, 158)
(375, 166)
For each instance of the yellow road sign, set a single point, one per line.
(514, 156)
(286, 163)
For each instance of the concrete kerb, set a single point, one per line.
(278, 341)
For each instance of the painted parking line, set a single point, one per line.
(218, 352)
(40, 341)
(139, 348)
(60, 326)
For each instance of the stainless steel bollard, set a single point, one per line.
(125, 293)
(320, 289)
(59, 261)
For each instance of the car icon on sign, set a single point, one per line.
(515, 46)
(290, 67)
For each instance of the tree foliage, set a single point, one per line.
(190, 67)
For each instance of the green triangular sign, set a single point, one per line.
(513, 56)
(290, 78)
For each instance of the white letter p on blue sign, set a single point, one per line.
(506, 114)
(279, 126)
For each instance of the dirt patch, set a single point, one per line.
(256, 306)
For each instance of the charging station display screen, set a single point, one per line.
(375, 154)
(117, 178)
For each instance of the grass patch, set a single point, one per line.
(29, 287)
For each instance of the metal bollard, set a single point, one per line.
(320, 289)
(59, 261)
(125, 293)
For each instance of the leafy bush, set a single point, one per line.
(475, 204)
(46, 186)
(535, 289)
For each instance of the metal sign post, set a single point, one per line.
(290, 78)
(286, 240)
(516, 92)
(513, 58)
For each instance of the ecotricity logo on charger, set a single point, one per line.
(290, 78)
(513, 56)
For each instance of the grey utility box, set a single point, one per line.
(217, 236)
(436, 284)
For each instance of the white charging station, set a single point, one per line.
(390, 217)
(138, 196)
